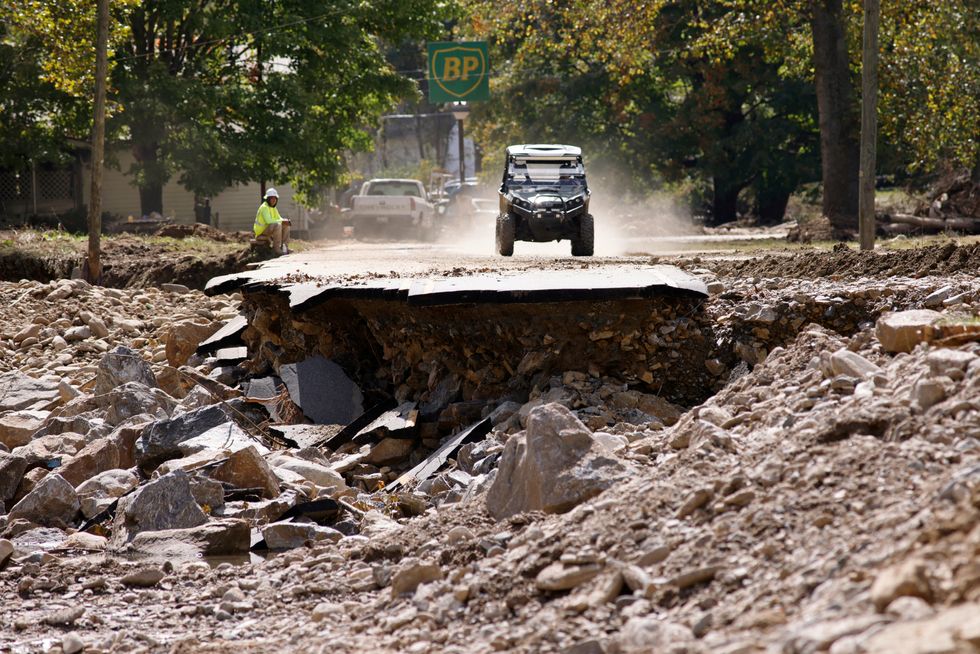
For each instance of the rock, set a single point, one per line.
(179, 289)
(85, 541)
(144, 577)
(122, 365)
(715, 287)
(53, 502)
(6, 551)
(247, 469)
(939, 633)
(319, 474)
(910, 608)
(948, 362)
(390, 450)
(552, 467)
(928, 392)
(75, 334)
(695, 501)
(125, 436)
(650, 634)
(208, 493)
(133, 399)
(184, 336)
(165, 503)
(289, 535)
(96, 494)
(64, 617)
(160, 440)
(94, 323)
(820, 635)
(906, 579)
(71, 643)
(412, 573)
(937, 297)
(19, 391)
(96, 457)
(611, 442)
(227, 437)
(214, 538)
(852, 364)
(12, 468)
(17, 427)
(559, 576)
(902, 331)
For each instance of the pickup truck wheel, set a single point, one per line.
(505, 234)
(583, 246)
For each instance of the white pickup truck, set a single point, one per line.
(393, 207)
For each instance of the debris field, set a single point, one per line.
(784, 463)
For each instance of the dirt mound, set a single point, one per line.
(201, 231)
(843, 262)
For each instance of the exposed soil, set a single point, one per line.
(846, 263)
(132, 261)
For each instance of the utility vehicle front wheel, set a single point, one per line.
(505, 234)
(583, 246)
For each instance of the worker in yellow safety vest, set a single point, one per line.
(269, 225)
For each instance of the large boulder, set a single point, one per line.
(247, 469)
(12, 469)
(118, 367)
(19, 391)
(901, 331)
(227, 437)
(52, 502)
(161, 440)
(319, 474)
(18, 427)
(51, 451)
(165, 503)
(96, 494)
(215, 538)
(552, 467)
(133, 398)
(98, 456)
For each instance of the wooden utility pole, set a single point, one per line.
(93, 267)
(869, 124)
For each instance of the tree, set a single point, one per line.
(228, 92)
(258, 90)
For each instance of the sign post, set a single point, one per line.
(459, 73)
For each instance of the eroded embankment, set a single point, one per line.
(492, 351)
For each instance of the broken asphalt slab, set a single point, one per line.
(601, 283)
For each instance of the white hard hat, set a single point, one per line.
(272, 193)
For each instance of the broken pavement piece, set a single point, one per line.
(437, 459)
(323, 391)
(353, 428)
(230, 335)
(399, 422)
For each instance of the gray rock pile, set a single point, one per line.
(827, 499)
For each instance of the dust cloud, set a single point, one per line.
(621, 227)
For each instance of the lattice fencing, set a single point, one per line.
(54, 189)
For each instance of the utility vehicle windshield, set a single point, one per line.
(565, 176)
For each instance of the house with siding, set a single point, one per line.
(57, 189)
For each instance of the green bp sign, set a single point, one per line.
(458, 72)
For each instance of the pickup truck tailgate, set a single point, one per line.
(368, 205)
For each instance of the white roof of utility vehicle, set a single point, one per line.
(544, 150)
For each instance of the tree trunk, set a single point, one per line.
(975, 176)
(151, 184)
(772, 206)
(839, 122)
(93, 262)
(724, 202)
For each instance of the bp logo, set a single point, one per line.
(458, 72)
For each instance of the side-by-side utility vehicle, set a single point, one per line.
(544, 197)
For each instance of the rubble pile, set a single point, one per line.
(490, 351)
(825, 499)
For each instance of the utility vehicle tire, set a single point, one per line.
(505, 234)
(583, 246)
